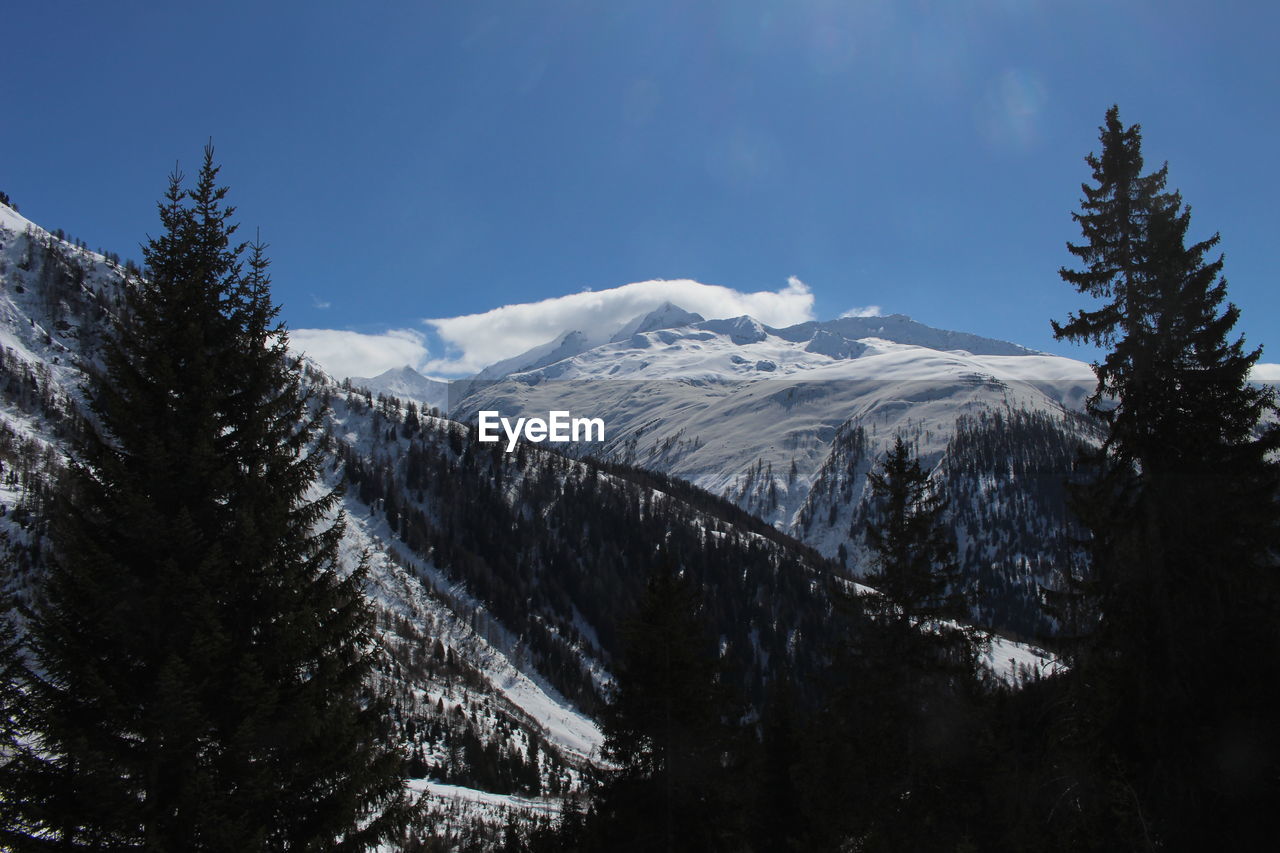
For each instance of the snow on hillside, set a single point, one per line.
(46, 285)
(500, 803)
(405, 586)
(1016, 663)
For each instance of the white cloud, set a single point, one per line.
(478, 340)
(864, 311)
(342, 353)
(1265, 373)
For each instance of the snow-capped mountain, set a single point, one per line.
(568, 345)
(787, 422)
(408, 384)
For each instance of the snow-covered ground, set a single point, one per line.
(499, 803)
(1015, 662)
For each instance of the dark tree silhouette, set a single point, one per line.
(1170, 737)
(668, 731)
(200, 654)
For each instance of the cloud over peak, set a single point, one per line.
(474, 341)
(344, 353)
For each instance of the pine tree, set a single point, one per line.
(1113, 221)
(667, 729)
(1167, 725)
(916, 576)
(202, 656)
(895, 764)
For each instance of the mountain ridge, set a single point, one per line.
(755, 415)
(838, 335)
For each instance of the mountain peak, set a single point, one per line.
(565, 345)
(403, 372)
(668, 315)
(406, 382)
(741, 330)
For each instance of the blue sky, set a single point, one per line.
(424, 160)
